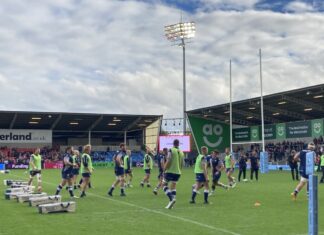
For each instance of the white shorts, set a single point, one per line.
(304, 180)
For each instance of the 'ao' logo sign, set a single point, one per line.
(211, 131)
(317, 127)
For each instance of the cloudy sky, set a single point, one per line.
(112, 57)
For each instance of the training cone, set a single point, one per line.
(257, 204)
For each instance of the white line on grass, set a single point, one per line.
(156, 212)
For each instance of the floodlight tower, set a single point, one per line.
(179, 34)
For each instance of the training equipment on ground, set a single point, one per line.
(19, 185)
(10, 196)
(57, 207)
(26, 189)
(10, 182)
(27, 196)
(36, 201)
(5, 172)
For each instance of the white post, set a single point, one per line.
(231, 115)
(89, 137)
(125, 138)
(262, 113)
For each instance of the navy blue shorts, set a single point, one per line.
(128, 171)
(119, 171)
(67, 175)
(76, 171)
(86, 175)
(34, 172)
(147, 171)
(171, 177)
(216, 177)
(200, 177)
(229, 170)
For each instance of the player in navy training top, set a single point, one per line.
(217, 167)
(161, 159)
(301, 157)
(254, 160)
(119, 171)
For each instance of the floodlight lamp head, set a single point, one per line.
(180, 31)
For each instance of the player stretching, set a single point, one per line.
(128, 168)
(161, 158)
(172, 172)
(119, 171)
(301, 156)
(67, 172)
(148, 166)
(35, 168)
(229, 165)
(201, 175)
(217, 167)
(86, 169)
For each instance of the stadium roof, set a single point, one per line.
(75, 122)
(295, 105)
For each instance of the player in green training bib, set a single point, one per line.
(322, 165)
(128, 168)
(229, 166)
(86, 168)
(35, 168)
(172, 172)
(201, 175)
(147, 166)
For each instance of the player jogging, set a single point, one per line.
(161, 158)
(119, 171)
(172, 172)
(217, 167)
(67, 172)
(301, 157)
(229, 165)
(147, 166)
(35, 169)
(86, 169)
(128, 168)
(201, 175)
(242, 166)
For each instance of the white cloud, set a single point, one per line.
(112, 57)
(299, 7)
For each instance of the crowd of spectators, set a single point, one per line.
(19, 156)
(280, 151)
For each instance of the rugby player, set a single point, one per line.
(128, 168)
(229, 165)
(35, 169)
(201, 176)
(86, 169)
(119, 171)
(217, 167)
(147, 166)
(172, 172)
(161, 158)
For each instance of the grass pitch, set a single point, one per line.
(231, 212)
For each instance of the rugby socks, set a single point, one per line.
(89, 185)
(58, 189)
(194, 194)
(174, 193)
(206, 192)
(75, 186)
(142, 184)
(168, 192)
(71, 191)
(122, 190)
(296, 192)
(111, 190)
(213, 187)
(148, 185)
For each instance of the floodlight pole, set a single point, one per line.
(231, 111)
(184, 85)
(262, 113)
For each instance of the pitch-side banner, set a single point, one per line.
(210, 133)
(25, 136)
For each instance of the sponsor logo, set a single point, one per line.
(212, 130)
